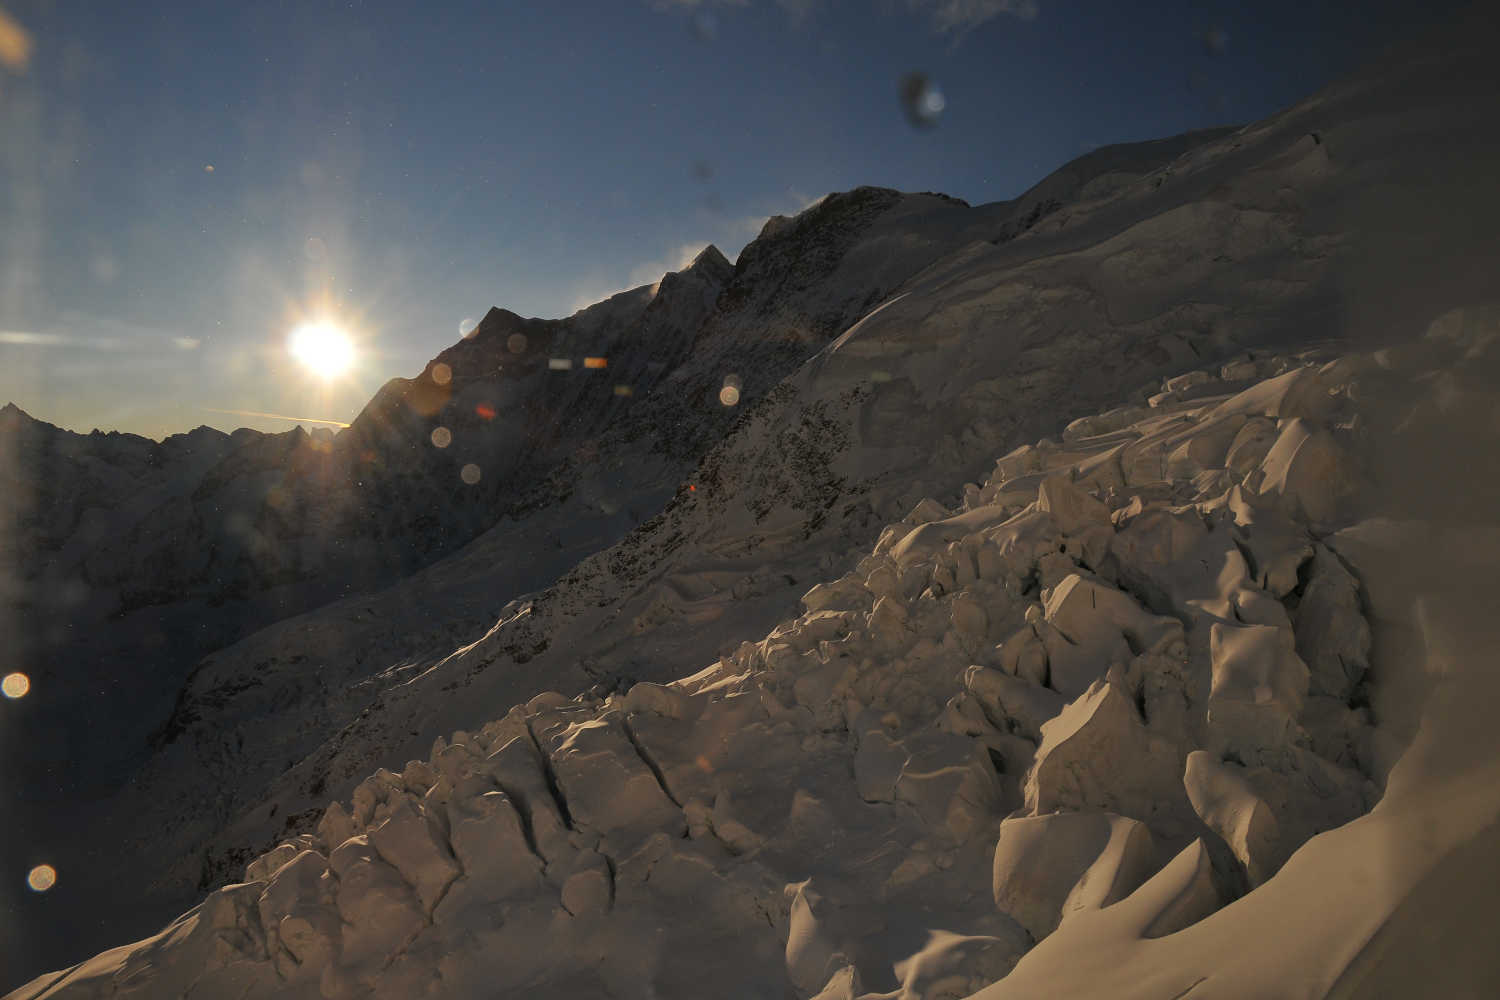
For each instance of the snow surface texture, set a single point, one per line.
(180, 763)
(155, 554)
(896, 826)
(1032, 746)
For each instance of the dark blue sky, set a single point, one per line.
(405, 165)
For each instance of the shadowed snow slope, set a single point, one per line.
(1142, 648)
(152, 555)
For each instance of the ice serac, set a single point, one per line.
(1098, 754)
(881, 700)
(1048, 866)
(1228, 805)
(1259, 684)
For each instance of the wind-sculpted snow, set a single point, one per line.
(263, 730)
(1079, 708)
(157, 554)
(1122, 600)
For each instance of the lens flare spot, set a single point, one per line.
(624, 390)
(15, 44)
(41, 878)
(467, 328)
(485, 410)
(15, 685)
(208, 168)
(469, 474)
(442, 437)
(921, 99)
(729, 395)
(442, 374)
(560, 364)
(516, 343)
(322, 348)
(596, 362)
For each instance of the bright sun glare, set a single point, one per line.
(324, 349)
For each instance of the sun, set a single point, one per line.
(322, 348)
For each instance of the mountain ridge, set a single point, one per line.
(812, 280)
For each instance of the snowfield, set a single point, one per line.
(1099, 604)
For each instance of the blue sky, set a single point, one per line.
(405, 166)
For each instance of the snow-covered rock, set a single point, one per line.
(997, 695)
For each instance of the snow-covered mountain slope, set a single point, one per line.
(992, 345)
(568, 461)
(1360, 214)
(1032, 746)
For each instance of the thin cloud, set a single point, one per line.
(33, 339)
(960, 16)
(276, 416)
(103, 333)
(696, 4)
(948, 17)
(799, 10)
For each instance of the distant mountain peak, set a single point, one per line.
(12, 416)
(498, 318)
(710, 257)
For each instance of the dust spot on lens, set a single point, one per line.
(41, 878)
(469, 474)
(516, 343)
(705, 25)
(1216, 40)
(315, 248)
(442, 374)
(921, 99)
(15, 685)
(880, 376)
(442, 437)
